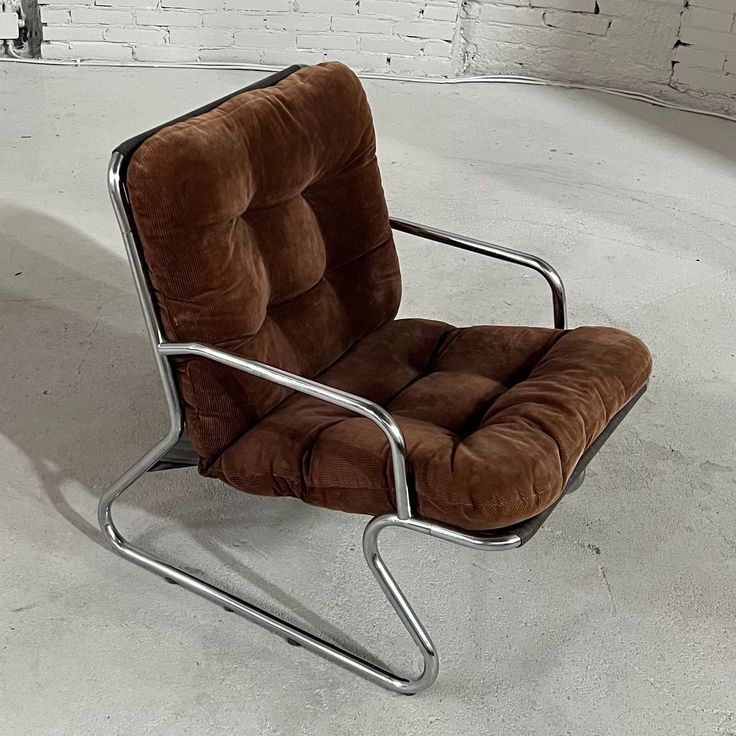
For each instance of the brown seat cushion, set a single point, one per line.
(265, 233)
(495, 420)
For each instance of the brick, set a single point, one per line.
(106, 16)
(426, 29)
(257, 6)
(298, 22)
(724, 5)
(410, 65)
(168, 18)
(135, 35)
(170, 54)
(286, 57)
(231, 55)
(511, 15)
(714, 20)
(194, 4)
(361, 24)
(338, 7)
(576, 6)
(440, 12)
(512, 55)
(596, 25)
(391, 9)
(533, 40)
(72, 33)
(234, 20)
(331, 41)
(209, 37)
(698, 79)
(360, 61)
(264, 39)
(703, 58)
(127, 3)
(101, 51)
(438, 48)
(475, 7)
(391, 45)
(54, 15)
(709, 39)
(56, 51)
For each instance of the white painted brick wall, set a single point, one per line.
(168, 18)
(587, 23)
(55, 16)
(683, 50)
(101, 16)
(403, 36)
(673, 48)
(704, 60)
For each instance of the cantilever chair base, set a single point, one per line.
(498, 540)
(172, 451)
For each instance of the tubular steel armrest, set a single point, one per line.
(357, 404)
(527, 260)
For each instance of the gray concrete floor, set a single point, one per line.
(619, 618)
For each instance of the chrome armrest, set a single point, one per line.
(527, 260)
(357, 404)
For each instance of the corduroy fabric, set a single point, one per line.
(265, 233)
(495, 420)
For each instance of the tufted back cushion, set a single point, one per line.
(264, 230)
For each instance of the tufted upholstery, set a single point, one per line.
(495, 420)
(265, 232)
(264, 229)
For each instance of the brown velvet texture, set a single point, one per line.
(265, 232)
(495, 420)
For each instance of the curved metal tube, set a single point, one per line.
(357, 404)
(559, 302)
(143, 291)
(398, 600)
(153, 330)
(290, 632)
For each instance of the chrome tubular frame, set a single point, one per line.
(404, 517)
(559, 302)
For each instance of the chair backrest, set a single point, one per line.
(264, 232)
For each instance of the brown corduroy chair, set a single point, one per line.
(263, 256)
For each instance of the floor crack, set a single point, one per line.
(604, 577)
(89, 340)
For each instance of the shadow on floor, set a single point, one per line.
(704, 131)
(82, 399)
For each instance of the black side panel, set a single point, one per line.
(127, 148)
(527, 529)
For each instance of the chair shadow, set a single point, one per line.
(709, 133)
(82, 401)
(279, 603)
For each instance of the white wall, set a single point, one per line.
(670, 48)
(400, 36)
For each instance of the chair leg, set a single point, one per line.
(292, 634)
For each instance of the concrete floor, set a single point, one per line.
(619, 618)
